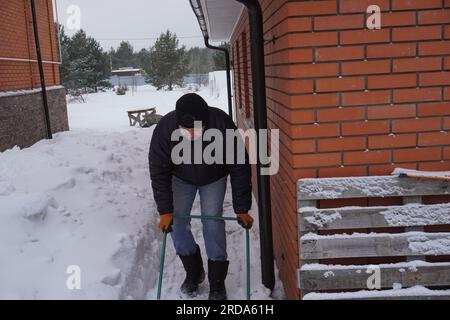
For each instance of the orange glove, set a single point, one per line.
(165, 222)
(245, 220)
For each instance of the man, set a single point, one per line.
(175, 187)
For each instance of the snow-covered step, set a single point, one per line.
(363, 187)
(317, 277)
(374, 217)
(314, 246)
(414, 293)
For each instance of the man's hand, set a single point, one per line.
(245, 220)
(165, 222)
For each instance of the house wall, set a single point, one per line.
(22, 120)
(17, 35)
(17, 73)
(348, 101)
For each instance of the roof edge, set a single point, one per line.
(197, 7)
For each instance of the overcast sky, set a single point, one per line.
(138, 21)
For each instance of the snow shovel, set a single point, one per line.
(163, 251)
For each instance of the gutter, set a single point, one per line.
(41, 71)
(260, 121)
(228, 71)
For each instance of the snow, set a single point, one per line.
(28, 91)
(413, 236)
(81, 199)
(125, 70)
(374, 294)
(418, 215)
(410, 265)
(217, 84)
(406, 215)
(423, 245)
(108, 111)
(401, 171)
(320, 220)
(397, 291)
(333, 188)
(84, 199)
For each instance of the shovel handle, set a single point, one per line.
(161, 265)
(247, 253)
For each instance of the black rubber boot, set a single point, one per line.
(195, 273)
(217, 272)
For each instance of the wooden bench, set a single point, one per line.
(315, 278)
(137, 116)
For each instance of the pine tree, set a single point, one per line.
(64, 49)
(143, 59)
(219, 58)
(168, 62)
(124, 56)
(200, 60)
(84, 64)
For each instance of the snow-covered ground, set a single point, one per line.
(84, 199)
(107, 111)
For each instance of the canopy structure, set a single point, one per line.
(217, 18)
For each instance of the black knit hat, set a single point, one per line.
(191, 107)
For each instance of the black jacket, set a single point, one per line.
(162, 168)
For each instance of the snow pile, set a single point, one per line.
(377, 294)
(81, 199)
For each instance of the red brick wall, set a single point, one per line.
(349, 101)
(17, 41)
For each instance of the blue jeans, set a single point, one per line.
(211, 203)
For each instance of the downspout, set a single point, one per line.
(228, 71)
(41, 71)
(260, 122)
